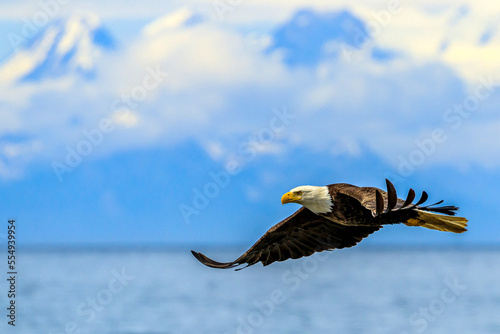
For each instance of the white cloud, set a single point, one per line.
(215, 150)
(126, 118)
(15, 157)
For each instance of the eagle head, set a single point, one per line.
(316, 199)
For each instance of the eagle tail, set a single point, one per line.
(438, 222)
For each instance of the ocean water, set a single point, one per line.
(358, 290)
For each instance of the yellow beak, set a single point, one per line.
(289, 198)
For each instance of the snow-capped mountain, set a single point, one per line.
(305, 38)
(309, 37)
(65, 46)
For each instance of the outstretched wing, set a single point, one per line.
(383, 204)
(301, 234)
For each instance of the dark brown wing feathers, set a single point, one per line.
(392, 198)
(301, 234)
(360, 211)
(379, 202)
(409, 198)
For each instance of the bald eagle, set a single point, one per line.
(339, 216)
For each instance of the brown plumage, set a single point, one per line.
(351, 214)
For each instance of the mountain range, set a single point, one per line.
(74, 45)
(70, 45)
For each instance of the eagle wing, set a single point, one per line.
(384, 204)
(301, 234)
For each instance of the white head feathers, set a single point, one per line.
(316, 199)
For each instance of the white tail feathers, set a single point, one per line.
(438, 222)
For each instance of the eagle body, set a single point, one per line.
(338, 216)
(346, 198)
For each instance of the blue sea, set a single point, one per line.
(358, 290)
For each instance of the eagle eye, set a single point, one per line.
(298, 193)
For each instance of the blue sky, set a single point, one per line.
(114, 144)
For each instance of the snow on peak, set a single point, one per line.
(65, 46)
(182, 17)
